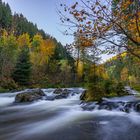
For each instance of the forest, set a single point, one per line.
(31, 58)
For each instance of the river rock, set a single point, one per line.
(88, 106)
(61, 93)
(111, 105)
(54, 97)
(58, 91)
(29, 96)
(136, 106)
(83, 95)
(61, 96)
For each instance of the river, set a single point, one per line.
(64, 119)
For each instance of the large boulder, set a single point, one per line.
(29, 96)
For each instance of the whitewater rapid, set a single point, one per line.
(64, 119)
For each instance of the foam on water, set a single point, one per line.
(69, 117)
(4, 101)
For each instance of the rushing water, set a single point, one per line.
(64, 119)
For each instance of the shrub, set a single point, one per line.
(8, 84)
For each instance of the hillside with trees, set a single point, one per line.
(28, 56)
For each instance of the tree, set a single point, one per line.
(8, 55)
(22, 72)
(41, 50)
(113, 23)
(5, 16)
(24, 41)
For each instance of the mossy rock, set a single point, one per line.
(29, 96)
(94, 93)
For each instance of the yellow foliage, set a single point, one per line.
(24, 40)
(36, 43)
(8, 41)
(124, 74)
(99, 71)
(46, 50)
(41, 50)
(132, 79)
(80, 68)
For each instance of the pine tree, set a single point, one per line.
(22, 72)
(5, 16)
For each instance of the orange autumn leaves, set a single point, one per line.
(128, 17)
(94, 19)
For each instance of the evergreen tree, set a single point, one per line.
(22, 72)
(5, 16)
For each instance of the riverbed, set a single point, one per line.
(64, 119)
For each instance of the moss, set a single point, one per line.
(93, 97)
(94, 93)
(113, 94)
(136, 87)
(2, 90)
